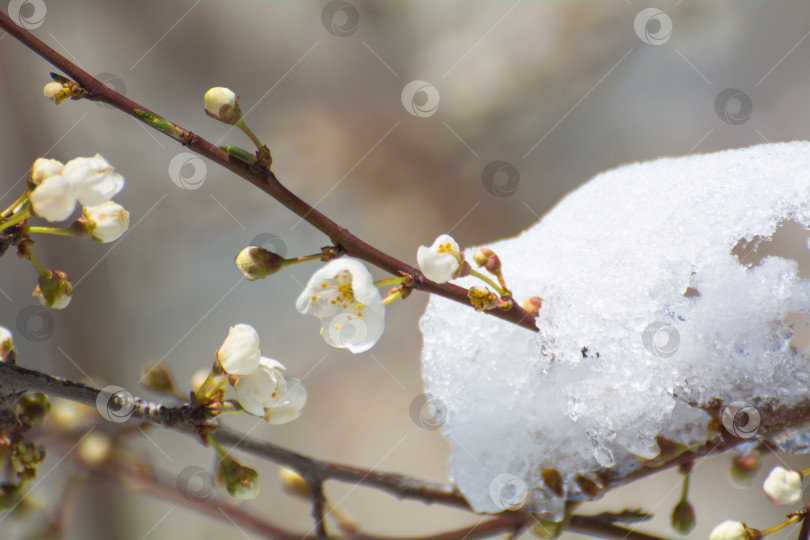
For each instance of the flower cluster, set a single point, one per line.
(89, 181)
(261, 387)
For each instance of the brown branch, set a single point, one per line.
(264, 180)
(15, 379)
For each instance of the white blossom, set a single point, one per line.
(343, 296)
(44, 168)
(239, 353)
(441, 261)
(54, 199)
(728, 530)
(94, 179)
(783, 486)
(263, 387)
(107, 221)
(291, 404)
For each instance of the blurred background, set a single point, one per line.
(515, 105)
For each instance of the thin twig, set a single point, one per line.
(264, 180)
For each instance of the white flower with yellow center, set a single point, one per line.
(440, 262)
(343, 296)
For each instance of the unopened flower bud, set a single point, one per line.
(94, 448)
(106, 222)
(56, 92)
(6, 345)
(158, 379)
(783, 486)
(729, 530)
(255, 262)
(240, 482)
(482, 298)
(683, 517)
(223, 105)
(32, 408)
(486, 257)
(532, 304)
(54, 290)
(293, 483)
(744, 468)
(44, 168)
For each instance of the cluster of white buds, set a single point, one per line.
(89, 181)
(261, 387)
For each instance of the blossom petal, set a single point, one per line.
(239, 353)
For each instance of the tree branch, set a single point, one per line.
(264, 180)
